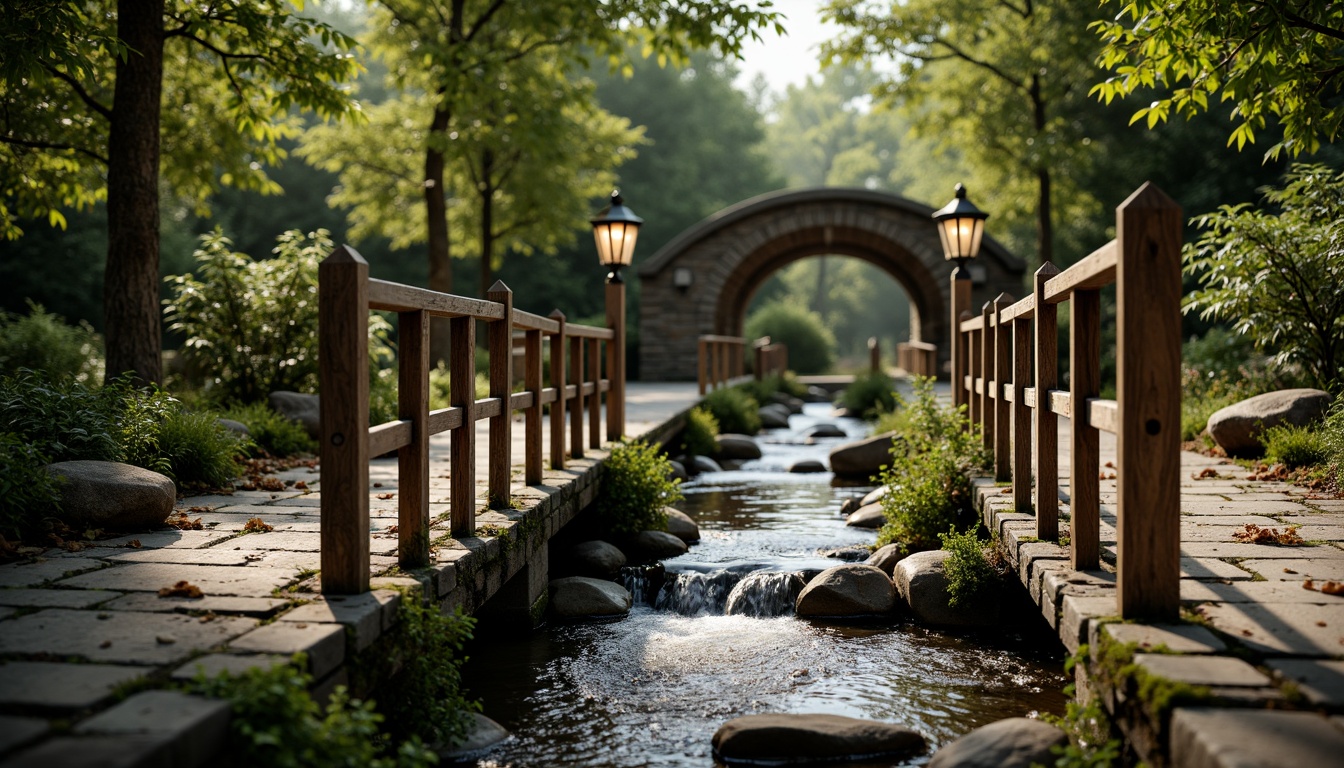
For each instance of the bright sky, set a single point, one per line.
(790, 59)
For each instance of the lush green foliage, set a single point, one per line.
(969, 573)
(425, 700)
(277, 724)
(637, 484)
(64, 420)
(197, 450)
(1294, 447)
(762, 389)
(41, 341)
(28, 493)
(276, 435)
(1332, 432)
(735, 411)
(1278, 64)
(698, 438)
(811, 345)
(1279, 278)
(1219, 370)
(930, 487)
(870, 396)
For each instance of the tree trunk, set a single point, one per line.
(487, 192)
(131, 282)
(436, 208)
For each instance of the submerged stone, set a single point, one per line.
(647, 546)
(779, 739)
(579, 597)
(741, 447)
(1017, 742)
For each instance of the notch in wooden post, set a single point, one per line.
(558, 383)
(500, 339)
(1047, 426)
(462, 445)
(413, 459)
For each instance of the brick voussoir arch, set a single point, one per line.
(731, 254)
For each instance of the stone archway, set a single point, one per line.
(729, 255)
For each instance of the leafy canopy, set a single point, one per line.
(1279, 63)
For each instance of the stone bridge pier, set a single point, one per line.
(703, 280)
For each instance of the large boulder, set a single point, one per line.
(705, 464)
(648, 546)
(106, 494)
(740, 447)
(579, 597)
(870, 516)
(921, 582)
(825, 429)
(1017, 742)
(806, 466)
(299, 407)
(681, 525)
(595, 558)
(863, 458)
(816, 394)
(1236, 427)
(774, 416)
(885, 558)
(847, 591)
(678, 470)
(811, 738)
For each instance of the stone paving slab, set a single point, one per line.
(1212, 568)
(212, 665)
(43, 571)
(1292, 569)
(58, 688)
(324, 644)
(17, 731)
(212, 579)
(55, 598)
(117, 636)
(121, 751)
(1202, 670)
(193, 727)
(1175, 638)
(1281, 630)
(1254, 592)
(1321, 681)
(1240, 738)
(169, 538)
(255, 607)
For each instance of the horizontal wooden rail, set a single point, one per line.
(993, 356)
(917, 358)
(346, 294)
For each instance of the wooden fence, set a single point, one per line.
(721, 360)
(998, 350)
(917, 358)
(346, 294)
(772, 358)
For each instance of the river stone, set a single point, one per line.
(1017, 742)
(921, 583)
(678, 470)
(774, 416)
(236, 427)
(741, 447)
(579, 597)
(863, 458)
(806, 466)
(705, 464)
(870, 516)
(788, 401)
(811, 738)
(107, 494)
(885, 558)
(825, 429)
(482, 734)
(299, 407)
(876, 495)
(817, 394)
(596, 558)
(855, 554)
(1236, 427)
(681, 525)
(849, 590)
(647, 546)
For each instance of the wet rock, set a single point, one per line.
(851, 505)
(741, 447)
(875, 495)
(863, 458)
(596, 559)
(482, 734)
(299, 407)
(1236, 427)
(921, 583)
(850, 554)
(647, 546)
(885, 558)
(870, 516)
(825, 429)
(681, 525)
(678, 470)
(705, 464)
(811, 738)
(841, 412)
(580, 597)
(774, 416)
(805, 466)
(794, 404)
(817, 394)
(731, 465)
(847, 591)
(107, 494)
(236, 427)
(1017, 742)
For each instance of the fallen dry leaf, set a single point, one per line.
(1308, 584)
(182, 588)
(181, 522)
(1206, 472)
(1251, 533)
(386, 495)
(257, 525)
(300, 486)
(1333, 588)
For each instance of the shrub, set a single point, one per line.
(1294, 447)
(44, 342)
(63, 419)
(762, 389)
(637, 483)
(424, 700)
(272, 432)
(1332, 432)
(1218, 371)
(197, 450)
(698, 438)
(869, 396)
(735, 411)
(811, 344)
(27, 492)
(968, 570)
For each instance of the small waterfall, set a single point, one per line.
(759, 594)
(643, 582)
(762, 594)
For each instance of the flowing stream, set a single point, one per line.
(713, 637)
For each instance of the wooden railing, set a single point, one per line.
(721, 360)
(772, 358)
(998, 349)
(917, 358)
(874, 355)
(345, 296)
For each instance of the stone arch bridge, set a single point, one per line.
(703, 280)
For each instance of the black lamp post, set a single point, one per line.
(961, 226)
(615, 230)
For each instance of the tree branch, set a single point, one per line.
(50, 145)
(85, 96)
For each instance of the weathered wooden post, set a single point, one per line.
(1148, 299)
(577, 413)
(973, 361)
(1085, 450)
(874, 355)
(988, 418)
(413, 459)
(595, 402)
(343, 379)
(1021, 469)
(462, 446)
(500, 340)
(1047, 427)
(1002, 371)
(532, 380)
(558, 349)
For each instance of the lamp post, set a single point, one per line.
(615, 230)
(960, 226)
